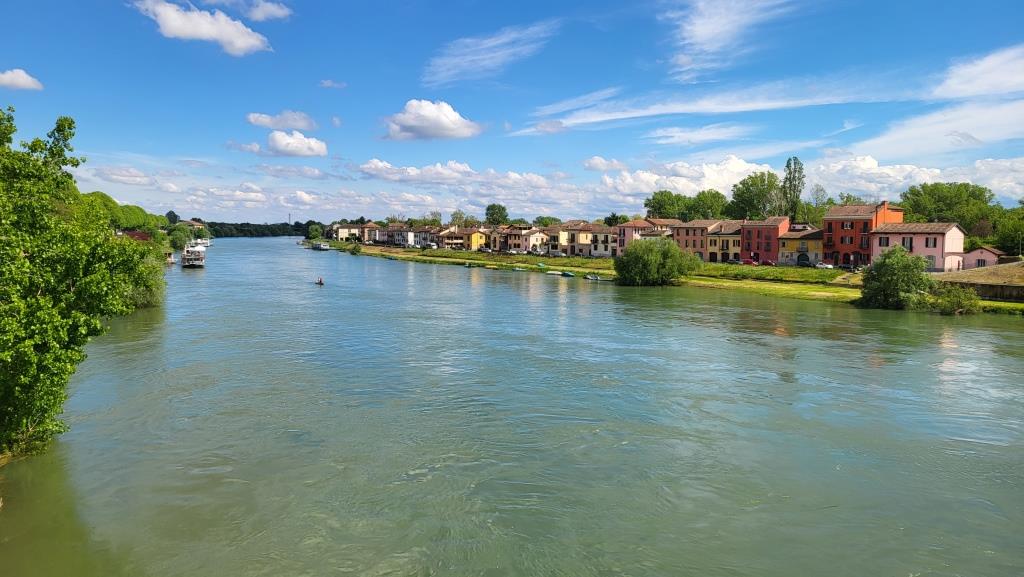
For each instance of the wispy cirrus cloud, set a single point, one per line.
(1000, 72)
(175, 21)
(687, 136)
(711, 34)
(577, 102)
(479, 57)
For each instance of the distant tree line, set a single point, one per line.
(248, 229)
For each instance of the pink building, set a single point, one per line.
(648, 228)
(940, 243)
(760, 238)
(982, 256)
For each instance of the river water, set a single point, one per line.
(415, 419)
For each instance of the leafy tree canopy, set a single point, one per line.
(495, 214)
(653, 263)
(895, 280)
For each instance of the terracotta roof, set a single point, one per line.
(370, 224)
(916, 227)
(856, 210)
(665, 221)
(639, 223)
(655, 233)
(810, 234)
(728, 227)
(700, 223)
(602, 229)
(990, 249)
(770, 221)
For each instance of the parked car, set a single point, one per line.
(805, 263)
(823, 265)
(767, 263)
(431, 245)
(734, 261)
(749, 261)
(485, 249)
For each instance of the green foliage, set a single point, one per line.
(665, 204)
(960, 202)
(653, 263)
(953, 299)
(172, 217)
(545, 221)
(179, 236)
(62, 272)
(792, 187)
(495, 214)
(847, 199)
(246, 229)
(707, 204)
(755, 197)
(813, 212)
(772, 273)
(355, 249)
(314, 231)
(519, 221)
(615, 219)
(1010, 233)
(895, 280)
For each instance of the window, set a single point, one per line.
(767, 247)
(828, 226)
(847, 226)
(980, 263)
(736, 242)
(883, 241)
(864, 226)
(908, 242)
(714, 242)
(931, 242)
(702, 243)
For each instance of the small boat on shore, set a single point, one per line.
(567, 273)
(593, 277)
(553, 273)
(321, 246)
(518, 269)
(193, 257)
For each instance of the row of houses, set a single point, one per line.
(851, 235)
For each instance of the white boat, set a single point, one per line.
(193, 257)
(203, 242)
(321, 246)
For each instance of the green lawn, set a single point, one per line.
(772, 273)
(605, 264)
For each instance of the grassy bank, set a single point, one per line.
(787, 282)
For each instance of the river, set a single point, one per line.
(416, 419)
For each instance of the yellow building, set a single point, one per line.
(723, 243)
(801, 246)
(473, 239)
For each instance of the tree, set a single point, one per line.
(520, 221)
(707, 204)
(847, 199)
(62, 272)
(458, 218)
(792, 187)
(895, 280)
(615, 219)
(545, 221)
(665, 204)
(654, 262)
(495, 214)
(314, 231)
(172, 217)
(813, 212)
(1010, 234)
(960, 202)
(755, 196)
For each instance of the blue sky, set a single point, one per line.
(254, 109)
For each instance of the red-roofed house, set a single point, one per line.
(847, 230)
(940, 243)
(760, 238)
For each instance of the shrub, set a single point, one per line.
(355, 249)
(895, 280)
(954, 299)
(654, 262)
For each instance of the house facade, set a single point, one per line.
(982, 256)
(696, 236)
(603, 241)
(473, 238)
(801, 244)
(344, 231)
(370, 232)
(940, 243)
(724, 241)
(847, 231)
(760, 238)
(534, 240)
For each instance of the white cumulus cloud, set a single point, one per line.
(601, 164)
(423, 119)
(263, 10)
(123, 175)
(295, 144)
(287, 119)
(191, 23)
(18, 79)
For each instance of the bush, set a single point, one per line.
(954, 299)
(355, 249)
(654, 262)
(895, 280)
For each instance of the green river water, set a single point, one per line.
(414, 419)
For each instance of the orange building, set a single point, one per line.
(848, 229)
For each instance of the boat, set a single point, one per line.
(567, 273)
(518, 269)
(319, 282)
(321, 246)
(592, 277)
(491, 267)
(193, 257)
(169, 257)
(554, 272)
(203, 242)
(541, 265)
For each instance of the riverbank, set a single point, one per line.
(786, 282)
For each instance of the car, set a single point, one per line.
(767, 263)
(749, 261)
(823, 265)
(734, 261)
(805, 264)
(485, 249)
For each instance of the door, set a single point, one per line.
(802, 258)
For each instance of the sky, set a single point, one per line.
(259, 110)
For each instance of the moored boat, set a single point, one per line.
(567, 273)
(554, 272)
(321, 246)
(193, 257)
